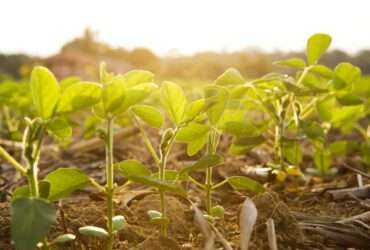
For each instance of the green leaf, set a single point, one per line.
(45, 91)
(245, 183)
(31, 219)
(322, 160)
(64, 181)
(293, 152)
(342, 147)
(194, 109)
(217, 98)
(137, 94)
(249, 140)
(205, 162)
(171, 175)
(241, 128)
(322, 71)
(196, 145)
(192, 132)
(349, 99)
(113, 95)
(161, 185)
(60, 128)
(93, 231)
(317, 45)
(295, 62)
(312, 129)
(149, 114)
(130, 168)
(345, 75)
(230, 77)
(217, 211)
(24, 191)
(79, 96)
(174, 101)
(325, 108)
(136, 77)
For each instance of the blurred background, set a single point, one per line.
(187, 40)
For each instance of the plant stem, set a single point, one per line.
(110, 181)
(12, 161)
(162, 175)
(211, 149)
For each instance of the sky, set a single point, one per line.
(41, 27)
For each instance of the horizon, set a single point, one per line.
(230, 25)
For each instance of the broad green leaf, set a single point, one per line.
(205, 162)
(312, 129)
(93, 231)
(64, 181)
(79, 96)
(347, 115)
(325, 108)
(135, 77)
(60, 128)
(174, 101)
(322, 71)
(293, 152)
(113, 95)
(349, 99)
(230, 77)
(69, 81)
(241, 128)
(342, 147)
(317, 45)
(149, 114)
(45, 91)
(24, 191)
(295, 62)
(249, 140)
(137, 94)
(31, 219)
(194, 109)
(131, 168)
(345, 75)
(161, 185)
(196, 145)
(217, 211)
(322, 160)
(245, 183)
(191, 132)
(216, 98)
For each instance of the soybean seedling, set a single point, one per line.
(119, 93)
(222, 108)
(32, 212)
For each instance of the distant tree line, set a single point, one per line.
(204, 66)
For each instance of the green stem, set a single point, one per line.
(12, 161)
(211, 149)
(110, 181)
(162, 174)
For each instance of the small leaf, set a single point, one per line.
(192, 132)
(249, 141)
(171, 175)
(322, 160)
(45, 91)
(174, 101)
(136, 77)
(245, 183)
(194, 109)
(130, 168)
(317, 45)
(293, 152)
(322, 71)
(64, 238)
(64, 181)
(31, 220)
(230, 77)
(161, 185)
(296, 63)
(345, 75)
(349, 99)
(205, 162)
(149, 114)
(119, 223)
(325, 108)
(93, 231)
(60, 128)
(216, 98)
(113, 95)
(241, 128)
(196, 145)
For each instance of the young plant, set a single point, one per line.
(119, 93)
(32, 212)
